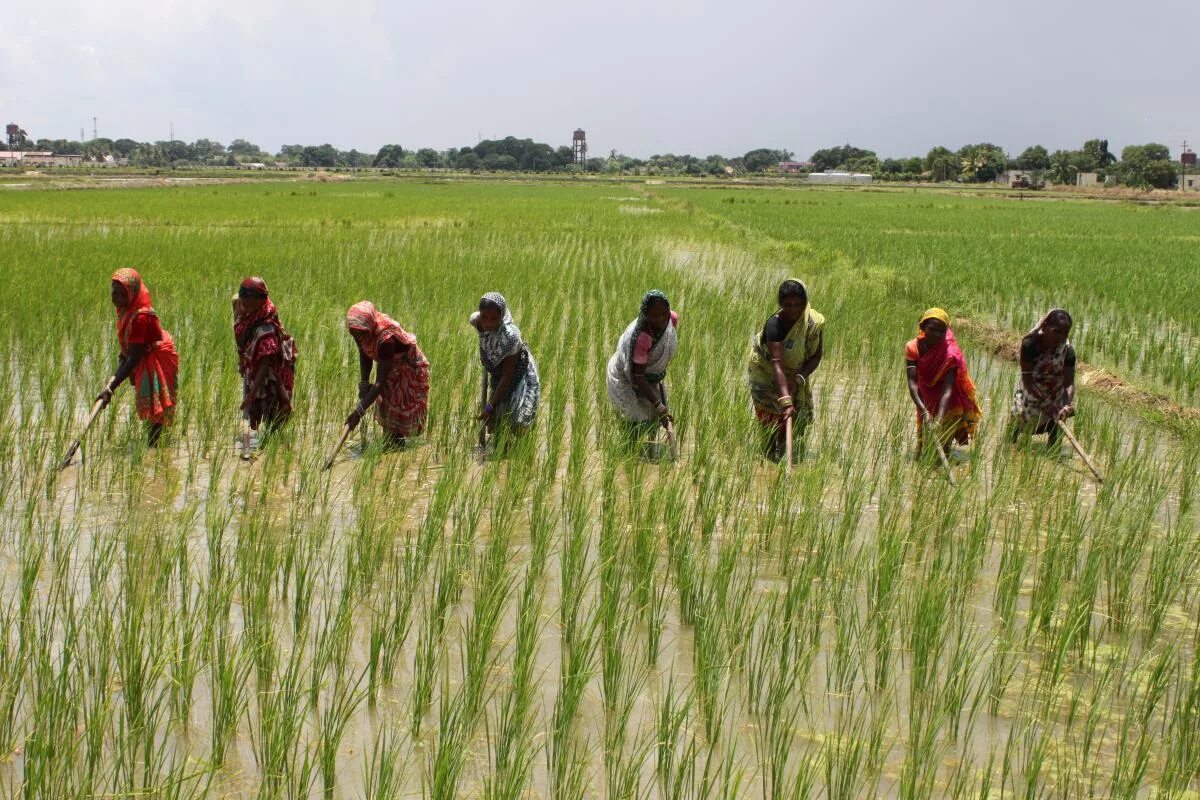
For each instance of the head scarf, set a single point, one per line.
(245, 323)
(1042, 322)
(137, 299)
(934, 313)
(643, 325)
(497, 345)
(255, 284)
(363, 316)
(791, 285)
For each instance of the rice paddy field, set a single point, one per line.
(571, 620)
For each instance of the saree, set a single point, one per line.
(260, 336)
(154, 376)
(403, 404)
(961, 420)
(801, 343)
(520, 403)
(1039, 404)
(661, 350)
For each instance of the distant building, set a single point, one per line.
(840, 178)
(1088, 180)
(253, 165)
(38, 158)
(1190, 182)
(1021, 177)
(794, 167)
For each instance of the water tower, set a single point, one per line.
(13, 131)
(579, 148)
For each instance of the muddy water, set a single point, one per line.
(396, 490)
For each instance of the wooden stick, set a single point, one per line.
(346, 429)
(96, 408)
(483, 387)
(669, 427)
(246, 434)
(1078, 449)
(787, 446)
(945, 461)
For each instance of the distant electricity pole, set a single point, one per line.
(172, 134)
(95, 135)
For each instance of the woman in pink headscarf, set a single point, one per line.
(401, 384)
(939, 384)
(148, 358)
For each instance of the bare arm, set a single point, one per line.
(947, 391)
(914, 390)
(1068, 408)
(124, 369)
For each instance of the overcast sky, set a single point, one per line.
(641, 77)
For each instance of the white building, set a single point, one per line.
(1191, 181)
(840, 178)
(38, 158)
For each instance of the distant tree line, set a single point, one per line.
(1146, 166)
(1142, 166)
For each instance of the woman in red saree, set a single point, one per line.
(266, 356)
(939, 383)
(148, 357)
(401, 375)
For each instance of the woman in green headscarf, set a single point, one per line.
(783, 357)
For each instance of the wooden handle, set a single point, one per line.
(787, 445)
(945, 461)
(337, 448)
(97, 407)
(1078, 449)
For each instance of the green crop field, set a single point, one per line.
(570, 620)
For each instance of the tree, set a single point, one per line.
(321, 156)
(942, 164)
(1147, 166)
(428, 157)
(843, 158)
(982, 162)
(389, 156)
(1096, 155)
(764, 158)
(1035, 157)
(1063, 168)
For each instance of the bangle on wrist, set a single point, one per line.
(488, 408)
(785, 400)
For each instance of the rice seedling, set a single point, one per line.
(569, 619)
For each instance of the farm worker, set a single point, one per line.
(514, 387)
(938, 382)
(1045, 394)
(637, 369)
(266, 356)
(148, 358)
(783, 357)
(401, 374)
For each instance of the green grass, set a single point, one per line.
(568, 620)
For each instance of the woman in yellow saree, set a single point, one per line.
(783, 357)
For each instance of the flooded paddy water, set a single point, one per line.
(568, 620)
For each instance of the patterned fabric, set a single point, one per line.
(258, 336)
(520, 403)
(961, 420)
(800, 344)
(620, 366)
(403, 405)
(154, 376)
(1046, 396)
